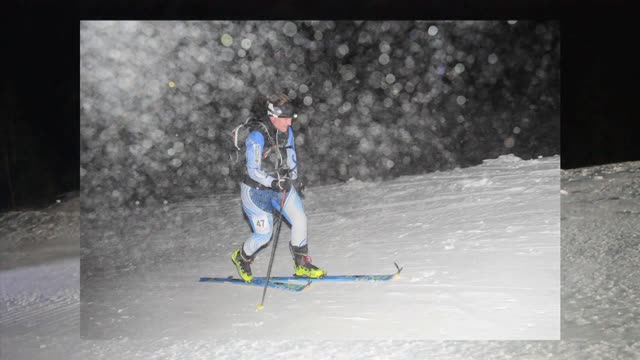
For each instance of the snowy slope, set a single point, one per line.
(480, 248)
(601, 252)
(39, 281)
(30, 329)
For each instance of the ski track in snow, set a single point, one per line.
(151, 307)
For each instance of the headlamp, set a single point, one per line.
(282, 111)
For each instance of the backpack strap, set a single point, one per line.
(251, 124)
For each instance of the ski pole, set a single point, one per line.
(276, 234)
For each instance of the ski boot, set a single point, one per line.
(302, 263)
(242, 262)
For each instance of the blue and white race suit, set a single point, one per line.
(259, 200)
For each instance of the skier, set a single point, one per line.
(271, 167)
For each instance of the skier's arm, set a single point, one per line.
(292, 160)
(254, 145)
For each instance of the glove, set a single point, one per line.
(283, 184)
(299, 185)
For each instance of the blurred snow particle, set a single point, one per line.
(303, 88)
(317, 35)
(433, 30)
(178, 146)
(227, 54)
(409, 87)
(290, 29)
(375, 79)
(395, 90)
(226, 40)
(390, 78)
(409, 62)
(384, 47)
(245, 43)
(342, 50)
(509, 142)
(461, 100)
(512, 22)
(176, 162)
(242, 53)
(516, 130)
(172, 84)
(58, 201)
(348, 72)
(308, 100)
(389, 164)
(459, 68)
(364, 38)
(171, 152)
(383, 59)
(83, 172)
(493, 58)
(387, 102)
(165, 202)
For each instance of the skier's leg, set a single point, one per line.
(255, 204)
(294, 213)
(262, 225)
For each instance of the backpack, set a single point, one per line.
(239, 136)
(240, 133)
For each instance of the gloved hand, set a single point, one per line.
(284, 184)
(299, 185)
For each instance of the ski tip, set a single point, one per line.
(399, 269)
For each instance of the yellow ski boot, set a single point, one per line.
(242, 263)
(302, 263)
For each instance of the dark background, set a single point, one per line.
(40, 93)
(376, 100)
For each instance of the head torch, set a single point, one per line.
(281, 111)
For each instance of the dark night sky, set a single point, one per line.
(40, 94)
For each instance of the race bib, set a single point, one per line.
(261, 224)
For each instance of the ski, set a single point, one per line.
(336, 278)
(256, 282)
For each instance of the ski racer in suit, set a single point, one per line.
(271, 168)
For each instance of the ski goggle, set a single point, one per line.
(283, 111)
